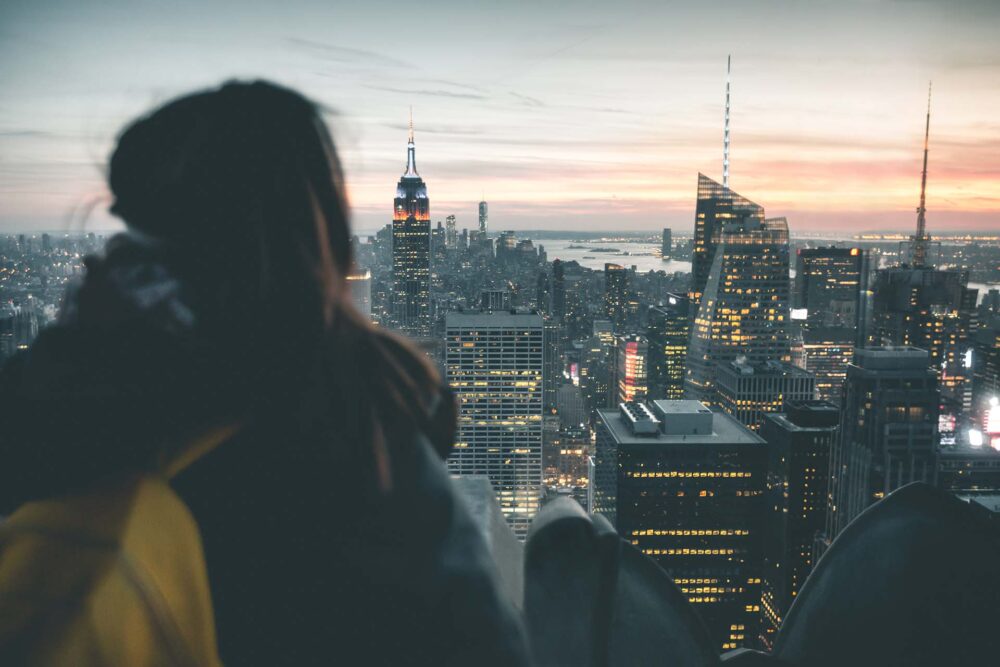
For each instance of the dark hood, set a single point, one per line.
(126, 374)
(120, 374)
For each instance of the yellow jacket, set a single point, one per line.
(113, 576)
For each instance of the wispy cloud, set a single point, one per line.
(527, 100)
(346, 54)
(429, 92)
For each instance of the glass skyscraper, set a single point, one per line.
(744, 309)
(667, 330)
(716, 206)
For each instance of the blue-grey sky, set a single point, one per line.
(583, 115)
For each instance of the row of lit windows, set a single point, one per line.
(685, 532)
(689, 552)
(683, 474)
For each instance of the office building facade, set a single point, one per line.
(685, 486)
(749, 392)
(888, 430)
(799, 439)
(494, 364)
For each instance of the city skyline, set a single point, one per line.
(597, 121)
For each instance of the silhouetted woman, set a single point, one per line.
(330, 528)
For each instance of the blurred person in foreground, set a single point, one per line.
(210, 389)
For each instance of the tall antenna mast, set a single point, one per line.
(921, 239)
(725, 134)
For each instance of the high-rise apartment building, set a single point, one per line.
(744, 310)
(749, 392)
(888, 430)
(668, 330)
(631, 374)
(685, 486)
(798, 442)
(494, 363)
(411, 250)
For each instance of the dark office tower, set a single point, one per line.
(932, 309)
(596, 372)
(685, 486)
(667, 247)
(717, 206)
(632, 362)
(558, 288)
(494, 365)
(543, 292)
(438, 256)
(667, 330)
(552, 341)
(616, 294)
(484, 218)
(829, 283)
(411, 251)
(798, 444)
(744, 310)
(360, 285)
(749, 392)
(888, 430)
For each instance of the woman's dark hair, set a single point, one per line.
(242, 187)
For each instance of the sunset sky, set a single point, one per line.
(565, 115)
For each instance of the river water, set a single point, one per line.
(644, 256)
(594, 255)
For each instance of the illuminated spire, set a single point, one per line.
(411, 153)
(921, 239)
(725, 134)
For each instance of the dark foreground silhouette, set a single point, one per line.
(329, 526)
(912, 581)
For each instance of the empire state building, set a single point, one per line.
(411, 256)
